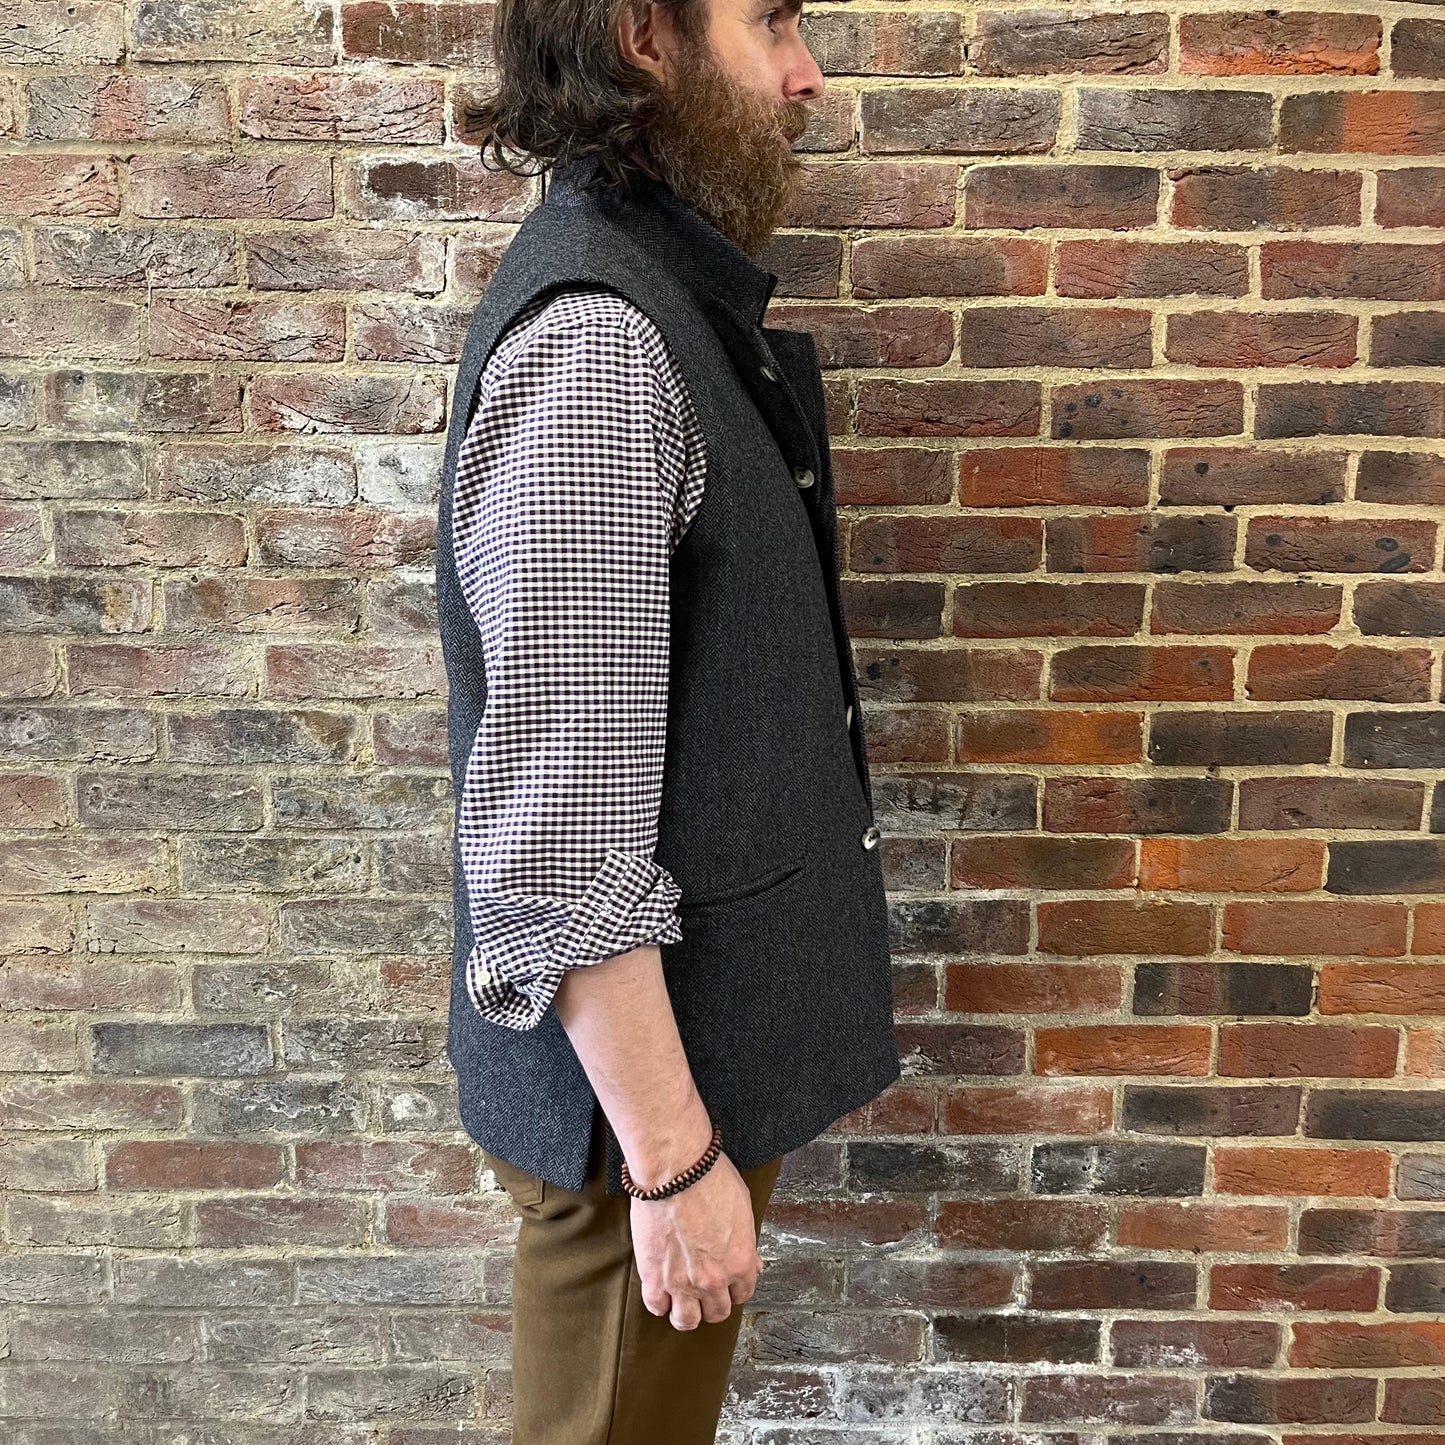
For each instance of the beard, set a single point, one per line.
(727, 152)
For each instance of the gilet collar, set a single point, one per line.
(708, 263)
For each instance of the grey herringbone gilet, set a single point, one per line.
(781, 983)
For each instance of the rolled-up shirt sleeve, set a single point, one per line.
(564, 517)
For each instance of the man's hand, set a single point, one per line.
(697, 1250)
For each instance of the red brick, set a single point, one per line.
(1244, 608)
(1249, 339)
(1144, 407)
(1082, 927)
(1144, 674)
(1339, 544)
(1059, 735)
(1064, 336)
(1424, 1053)
(1148, 805)
(998, 1108)
(1028, 476)
(1385, 1346)
(329, 108)
(948, 408)
(1234, 476)
(1033, 987)
(1045, 862)
(1199, 1224)
(944, 119)
(59, 185)
(399, 404)
(951, 674)
(1098, 269)
(1047, 609)
(1371, 674)
(1020, 1223)
(879, 43)
(946, 544)
(1232, 865)
(32, 800)
(445, 33)
(1275, 1287)
(1285, 1050)
(1129, 1049)
(1383, 988)
(1373, 122)
(1429, 935)
(948, 266)
(1278, 803)
(1410, 196)
(1298, 42)
(261, 187)
(1297, 928)
(1335, 269)
(165, 1164)
(1350, 1173)
(878, 336)
(1096, 196)
(874, 194)
(1063, 42)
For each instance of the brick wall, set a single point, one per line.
(1133, 324)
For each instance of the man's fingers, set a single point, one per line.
(742, 1290)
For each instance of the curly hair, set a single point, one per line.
(566, 91)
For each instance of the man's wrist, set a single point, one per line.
(684, 1143)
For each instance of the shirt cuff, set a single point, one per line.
(631, 900)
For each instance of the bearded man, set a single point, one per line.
(671, 963)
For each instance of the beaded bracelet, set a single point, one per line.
(680, 1181)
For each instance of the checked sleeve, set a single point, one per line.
(578, 473)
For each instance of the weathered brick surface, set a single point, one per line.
(1133, 332)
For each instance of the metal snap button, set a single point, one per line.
(872, 835)
(803, 476)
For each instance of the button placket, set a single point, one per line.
(828, 547)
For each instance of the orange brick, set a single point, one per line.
(1353, 1173)
(1122, 1049)
(1232, 865)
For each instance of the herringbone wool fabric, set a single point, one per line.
(781, 981)
(581, 470)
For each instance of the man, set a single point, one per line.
(671, 960)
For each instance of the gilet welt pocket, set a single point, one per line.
(757, 890)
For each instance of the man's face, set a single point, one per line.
(738, 101)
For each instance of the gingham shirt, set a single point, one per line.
(581, 469)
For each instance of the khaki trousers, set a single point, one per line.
(591, 1364)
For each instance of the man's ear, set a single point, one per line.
(647, 42)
